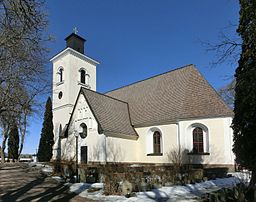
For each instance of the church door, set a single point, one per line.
(84, 154)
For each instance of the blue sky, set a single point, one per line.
(136, 39)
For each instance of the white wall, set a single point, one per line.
(94, 141)
(71, 62)
(145, 142)
(217, 132)
(121, 150)
(219, 143)
(71, 85)
(114, 149)
(219, 137)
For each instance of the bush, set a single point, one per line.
(235, 194)
(212, 173)
(142, 178)
(56, 167)
(65, 169)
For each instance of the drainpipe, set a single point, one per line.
(105, 148)
(76, 138)
(178, 125)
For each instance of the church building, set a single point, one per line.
(141, 123)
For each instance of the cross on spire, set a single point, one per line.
(75, 30)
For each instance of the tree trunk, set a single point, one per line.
(23, 133)
(3, 147)
(2, 156)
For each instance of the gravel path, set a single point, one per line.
(19, 182)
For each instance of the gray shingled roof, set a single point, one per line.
(179, 94)
(111, 114)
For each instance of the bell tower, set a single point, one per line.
(72, 69)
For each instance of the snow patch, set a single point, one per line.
(58, 179)
(190, 192)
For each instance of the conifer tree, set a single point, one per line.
(46, 141)
(13, 143)
(244, 122)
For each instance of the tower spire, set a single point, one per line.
(75, 42)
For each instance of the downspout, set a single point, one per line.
(178, 125)
(105, 148)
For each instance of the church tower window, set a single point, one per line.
(60, 73)
(82, 76)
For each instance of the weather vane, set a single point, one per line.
(75, 30)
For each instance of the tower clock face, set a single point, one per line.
(60, 95)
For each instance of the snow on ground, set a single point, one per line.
(47, 169)
(244, 176)
(190, 192)
(58, 178)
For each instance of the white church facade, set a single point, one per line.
(140, 123)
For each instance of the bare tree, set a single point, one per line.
(22, 57)
(178, 157)
(22, 119)
(228, 93)
(6, 122)
(114, 153)
(227, 49)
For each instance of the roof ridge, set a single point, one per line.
(133, 83)
(215, 91)
(104, 95)
(190, 78)
(88, 94)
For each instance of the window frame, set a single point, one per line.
(157, 142)
(151, 139)
(60, 74)
(206, 138)
(198, 140)
(82, 76)
(84, 132)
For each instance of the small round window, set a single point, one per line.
(60, 95)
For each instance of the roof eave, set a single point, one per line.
(121, 135)
(68, 49)
(175, 121)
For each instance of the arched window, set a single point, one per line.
(198, 140)
(83, 131)
(154, 145)
(60, 73)
(157, 142)
(82, 76)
